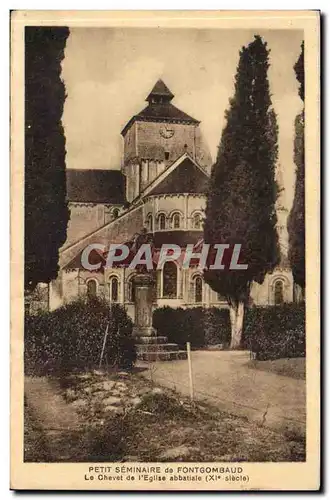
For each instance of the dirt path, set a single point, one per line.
(49, 419)
(123, 418)
(223, 378)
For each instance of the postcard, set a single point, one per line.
(165, 250)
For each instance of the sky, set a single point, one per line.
(108, 72)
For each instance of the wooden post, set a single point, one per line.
(104, 342)
(190, 372)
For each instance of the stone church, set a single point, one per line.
(162, 187)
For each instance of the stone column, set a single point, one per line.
(143, 305)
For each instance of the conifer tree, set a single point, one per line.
(296, 219)
(46, 210)
(242, 193)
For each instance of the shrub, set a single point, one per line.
(71, 337)
(269, 332)
(199, 326)
(217, 326)
(276, 331)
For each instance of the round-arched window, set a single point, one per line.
(278, 293)
(113, 289)
(198, 289)
(115, 213)
(170, 276)
(176, 221)
(161, 221)
(197, 221)
(91, 288)
(131, 290)
(150, 222)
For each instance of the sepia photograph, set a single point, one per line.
(163, 295)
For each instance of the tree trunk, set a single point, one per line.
(236, 312)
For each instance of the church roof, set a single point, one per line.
(160, 112)
(95, 257)
(95, 186)
(185, 178)
(165, 112)
(160, 109)
(177, 237)
(160, 89)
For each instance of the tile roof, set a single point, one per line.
(160, 89)
(94, 257)
(186, 178)
(165, 111)
(160, 109)
(95, 186)
(160, 112)
(176, 237)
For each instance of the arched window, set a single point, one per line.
(198, 289)
(131, 290)
(161, 221)
(113, 289)
(278, 293)
(149, 222)
(170, 276)
(197, 221)
(91, 288)
(176, 221)
(115, 213)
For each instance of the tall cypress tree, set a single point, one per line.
(46, 210)
(242, 193)
(296, 219)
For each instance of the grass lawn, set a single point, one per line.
(35, 446)
(290, 367)
(126, 418)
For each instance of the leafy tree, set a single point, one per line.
(242, 193)
(296, 219)
(46, 210)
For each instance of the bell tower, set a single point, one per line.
(156, 137)
(282, 214)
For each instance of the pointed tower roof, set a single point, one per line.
(160, 108)
(160, 90)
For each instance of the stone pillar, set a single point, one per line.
(143, 305)
(150, 347)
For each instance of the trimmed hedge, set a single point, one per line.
(71, 337)
(198, 325)
(269, 332)
(275, 331)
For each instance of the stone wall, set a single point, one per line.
(118, 231)
(86, 218)
(264, 294)
(145, 141)
(186, 205)
(132, 173)
(147, 153)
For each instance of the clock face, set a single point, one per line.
(166, 132)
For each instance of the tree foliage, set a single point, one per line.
(242, 193)
(299, 69)
(296, 220)
(46, 210)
